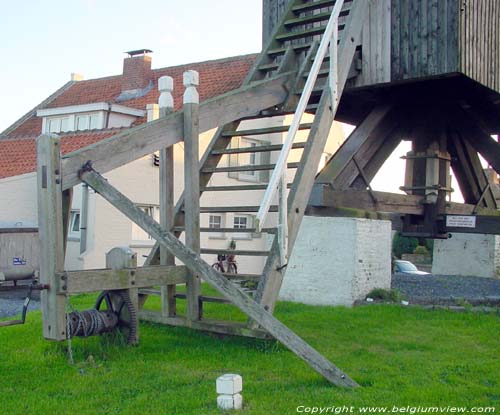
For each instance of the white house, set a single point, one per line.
(84, 112)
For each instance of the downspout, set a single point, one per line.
(108, 112)
(84, 218)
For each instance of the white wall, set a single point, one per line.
(18, 199)
(467, 255)
(337, 261)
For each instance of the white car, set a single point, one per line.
(406, 268)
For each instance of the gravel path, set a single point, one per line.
(439, 289)
(11, 302)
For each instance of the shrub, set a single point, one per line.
(385, 295)
(421, 250)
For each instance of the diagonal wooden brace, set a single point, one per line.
(197, 265)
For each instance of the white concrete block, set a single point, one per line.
(337, 261)
(463, 254)
(230, 401)
(229, 384)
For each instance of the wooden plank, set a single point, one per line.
(270, 284)
(210, 326)
(88, 281)
(147, 138)
(239, 252)
(192, 188)
(51, 234)
(199, 267)
(267, 130)
(259, 149)
(353, 143)
(484, 225)
(386, 202)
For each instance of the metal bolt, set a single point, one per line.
(56, 171)
(64, 287)
(58, 181)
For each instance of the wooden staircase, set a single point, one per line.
(292, 48)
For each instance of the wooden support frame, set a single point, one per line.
(87, 281)
(52, 224)
(215, 279)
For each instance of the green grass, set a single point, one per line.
(400, 356)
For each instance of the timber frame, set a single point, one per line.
(270, 89)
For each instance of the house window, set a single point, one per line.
(138, 234)
(216, 222)
(242, 222)
(249, 159)
(74, 224)
(87, 122)
(57, 125)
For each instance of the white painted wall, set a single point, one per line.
(337, 261)
(467, 255)
(18, 199)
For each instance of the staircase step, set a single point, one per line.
(239, 209)
(233, 252)
(257, 149)
(238, 188)
(229, 230)
(317, 5)
(301, 34)
(251, 277)
(250, 167)
(315, 18)
(269, 67)
(260, 131)
(297, 48)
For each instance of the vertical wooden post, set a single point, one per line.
(166, 106)
(120, 258)
(51, 234)
(192, 186)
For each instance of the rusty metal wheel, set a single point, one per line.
(119, 302)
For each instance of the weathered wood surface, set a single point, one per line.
(211, 326)
(147, 138)
(272, 14)
(386, 202)
(51, 234)
(484, 225)
(216, 280)
(192, 200)
(424, 38)
(108, 279)
(479, 41)
(270, 284)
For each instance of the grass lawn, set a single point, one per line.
(400, 356)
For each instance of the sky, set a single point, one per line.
(43, 42)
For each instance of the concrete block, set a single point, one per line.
(227, 402)
(229, 384)
(337, 261)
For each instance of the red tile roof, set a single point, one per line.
(18, 156)
(216, 78)
(17, 147)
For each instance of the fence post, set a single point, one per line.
(51, 234)
(166, 106)
(192, 186)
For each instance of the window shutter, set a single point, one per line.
(265, 158)
(233, 158)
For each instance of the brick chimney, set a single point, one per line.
(136, 70)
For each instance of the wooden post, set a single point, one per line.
(120, 258)
(166, 106)
(192, 186)
(51, 234)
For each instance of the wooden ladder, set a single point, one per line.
(291, 48)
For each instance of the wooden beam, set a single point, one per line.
(147, 138)
(482, 225)
(109, 279)
(51, 234)
(210, 326)
(218, 281)
(351, 146)
(192, 187)
(386, 202)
